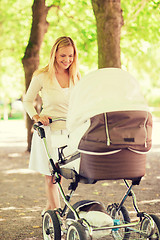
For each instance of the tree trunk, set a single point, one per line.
(109, 21)
(30, 60)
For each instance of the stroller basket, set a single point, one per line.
(124, 164)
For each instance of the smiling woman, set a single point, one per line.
(55, 81)
(64, 58)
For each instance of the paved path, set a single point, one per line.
(22, 192)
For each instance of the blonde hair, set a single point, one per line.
(52, 66)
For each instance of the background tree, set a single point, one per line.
(31, 58)
(109, 21)
(139, 41)
(140, 48)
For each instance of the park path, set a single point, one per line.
(22, 196)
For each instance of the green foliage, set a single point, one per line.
(140, 38)
(75, 19)
(140, 42)
(15, 21)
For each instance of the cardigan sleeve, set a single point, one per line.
(34, 88)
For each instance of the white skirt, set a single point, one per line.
(39, 159)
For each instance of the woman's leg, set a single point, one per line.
(52, 192)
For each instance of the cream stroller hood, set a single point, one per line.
(103, 90)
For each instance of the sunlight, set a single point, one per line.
(13, 144)
(155, 150)
(150, 201)
(9, 208)
(1, 219)
(155, 133)
(33, 209)
(14, 155)
(28, 217)
(19, 171)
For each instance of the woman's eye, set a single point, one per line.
(70, 56)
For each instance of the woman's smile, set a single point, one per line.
(65, 56)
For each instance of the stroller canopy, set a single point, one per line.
(104, 90)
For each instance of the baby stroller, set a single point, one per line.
(111, 132)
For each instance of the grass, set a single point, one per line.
(14, 116)
(156, 114)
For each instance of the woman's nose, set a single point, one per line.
(67, 59)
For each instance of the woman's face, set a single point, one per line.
(64, 57)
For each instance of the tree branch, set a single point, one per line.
(59, 8)
(138, 8)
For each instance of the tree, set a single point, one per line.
(139, 41)
(31, 57)
(39, 28)
(109, 21)
(140, 44)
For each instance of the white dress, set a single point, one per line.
(55, 104)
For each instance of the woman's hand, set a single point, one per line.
(43, 119)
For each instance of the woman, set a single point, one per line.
(54, 82)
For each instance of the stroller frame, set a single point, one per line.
(80, 228)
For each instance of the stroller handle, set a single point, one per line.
(40, 130)
(36, 125)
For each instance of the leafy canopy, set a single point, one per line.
(140, 38)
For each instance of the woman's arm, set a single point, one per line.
(34, 88)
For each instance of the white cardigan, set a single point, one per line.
(55, 99)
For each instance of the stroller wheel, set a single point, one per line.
(76, 232)
(146, 227)
(51, 226)
(123, 217)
